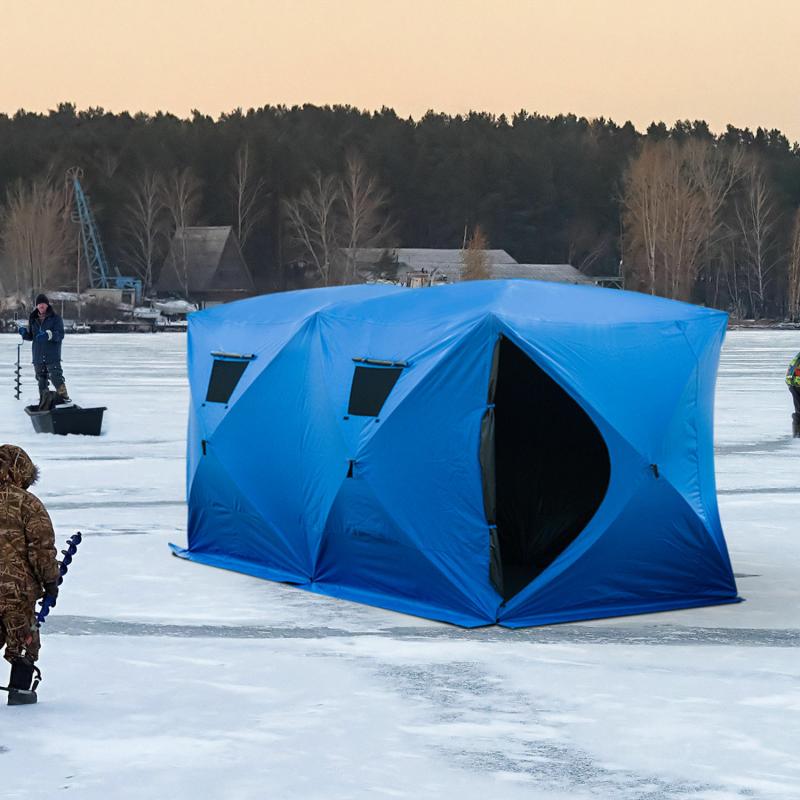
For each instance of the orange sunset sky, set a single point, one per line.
(736, 61)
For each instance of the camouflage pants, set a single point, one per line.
(18, 632)
(51, 371)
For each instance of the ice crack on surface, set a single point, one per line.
(532, 742)
(652, 635)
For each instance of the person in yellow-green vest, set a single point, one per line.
(793, 380)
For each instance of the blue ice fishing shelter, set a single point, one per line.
(510, 452)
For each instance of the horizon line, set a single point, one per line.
(494, 116)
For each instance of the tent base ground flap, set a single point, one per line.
(414, 608)
(389, 602)
(237, 565)
(581, 615)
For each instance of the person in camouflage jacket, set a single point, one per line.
(28, 566)
(793, 381)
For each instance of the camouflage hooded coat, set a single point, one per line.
(27, 546)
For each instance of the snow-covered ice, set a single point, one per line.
(167, 679)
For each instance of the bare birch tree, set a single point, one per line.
(793, 293)
(672, 212)
(474, 257)
(182, 201)
(685, 231)
(756, 218)
(37, 236)
(735, 284)
(644, 211)
(315, 222)
(366, 221)
(247, 192)
(715, 172)
(145, 229)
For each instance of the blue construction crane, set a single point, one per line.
(100, 273)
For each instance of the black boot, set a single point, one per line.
(21, 686)
(63, 395)
(796, 426)
(47, 400)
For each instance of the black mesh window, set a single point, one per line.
(371, 387)
(224, 377)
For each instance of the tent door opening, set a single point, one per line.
(545, 469)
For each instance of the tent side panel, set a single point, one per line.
(422, 464)
(366, 555)
(224, 524)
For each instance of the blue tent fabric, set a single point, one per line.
(388, 509)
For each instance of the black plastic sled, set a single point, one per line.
(67, 419)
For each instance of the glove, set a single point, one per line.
(22, 330)
(51, 591)
(45, 335)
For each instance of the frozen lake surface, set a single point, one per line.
(166, 679)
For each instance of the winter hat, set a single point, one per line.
(41, 298)
(16, 467)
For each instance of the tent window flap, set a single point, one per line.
(225, 374)
(371, 386)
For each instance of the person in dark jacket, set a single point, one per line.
(28, 570)
(46, 330)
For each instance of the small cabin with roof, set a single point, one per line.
(205, 266)
(420, 266)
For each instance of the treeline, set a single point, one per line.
(680, 211)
